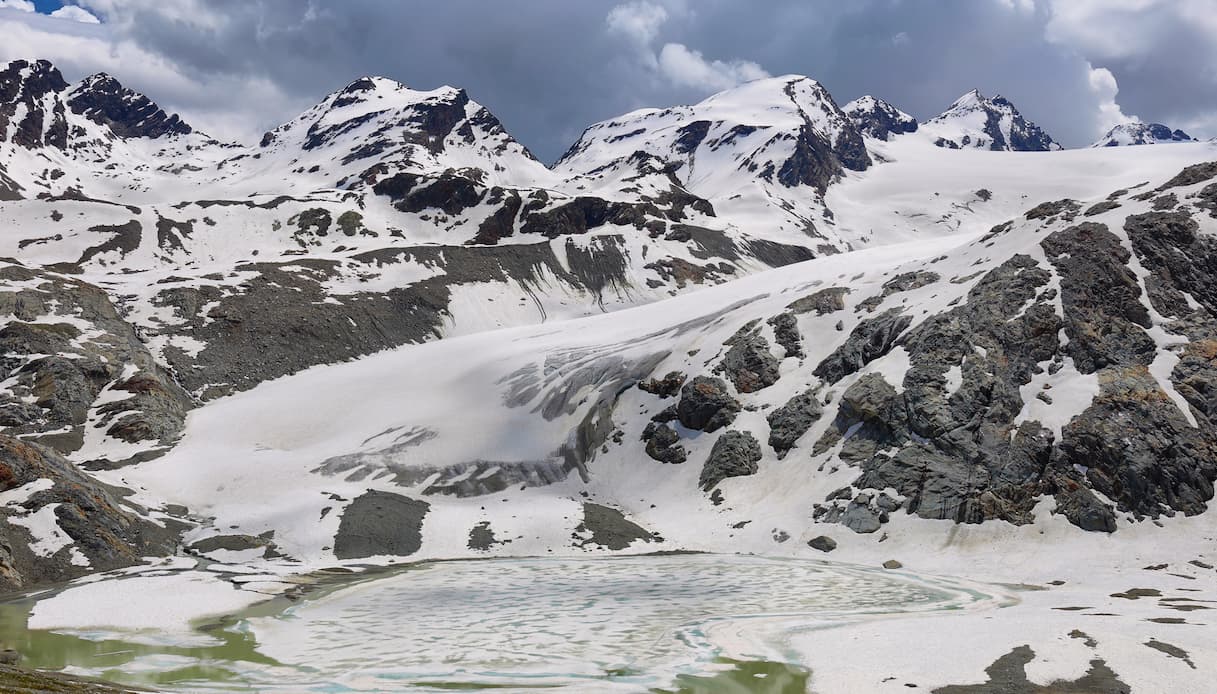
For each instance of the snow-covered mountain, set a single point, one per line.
(94, 138)
(1127, 134)
(376, 127)
(878, 118)
(388, 308)
(762, 154)
(975, 121)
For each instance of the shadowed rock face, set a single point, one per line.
(1182, 261)
(748, 363)
(380, 523)
(9, 189)
(663, 444)
(1104, 317)
(536, 212)
(790, 421)
(482, 537)
(23, 86)
(1160, 462)
(868, 341)
(822, 302)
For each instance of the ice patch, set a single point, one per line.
(154, 607)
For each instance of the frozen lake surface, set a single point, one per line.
(580, 624)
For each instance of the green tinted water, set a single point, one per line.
(106, 657)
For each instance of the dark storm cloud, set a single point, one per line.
(917, 55)
(548, 68)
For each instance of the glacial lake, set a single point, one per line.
(689, 623)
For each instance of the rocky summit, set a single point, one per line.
(759, 324)
(976, 121)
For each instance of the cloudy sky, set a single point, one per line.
(548, 68)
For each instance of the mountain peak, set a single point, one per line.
(878, 118)
(374, 88)
(970, 99)
(375, 127)
(105, 101)
(769, 91)
(766, 135)
(98, 79)
(32, 79)
(1136, 133)
(25, 117)
(974, 121)
(433, 114)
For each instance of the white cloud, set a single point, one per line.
(1114, 29)
(1103, 86)
(640, 22)
(688, 68)
(22, 5)
(76, 14)
(195, 14)
(1164, 52)
(1026, 6)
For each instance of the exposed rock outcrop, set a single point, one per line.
(706, 404)
(735, 454)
